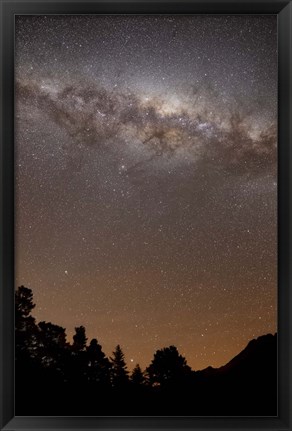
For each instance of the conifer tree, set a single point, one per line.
(137, 376)
(119, 368)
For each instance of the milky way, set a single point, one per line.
(146, 168)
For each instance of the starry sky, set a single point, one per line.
(146, 179)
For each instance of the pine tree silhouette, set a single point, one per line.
(119, 368)
(99, 366)
(26, 331)
(137, 376)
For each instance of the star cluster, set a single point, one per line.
(146, 168)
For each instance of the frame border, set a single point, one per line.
(8, 10)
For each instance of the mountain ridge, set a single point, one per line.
(250, 349)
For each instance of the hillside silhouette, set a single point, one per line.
(56, 378)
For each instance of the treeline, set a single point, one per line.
(55, 377)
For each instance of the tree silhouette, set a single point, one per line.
(79, 339)
(168, 368)
(26, 343)
(23, 303)
(52, 343)
(77, 367)
(137, 376)
(119, 368)
(99, 366)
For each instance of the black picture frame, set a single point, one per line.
(8, 11)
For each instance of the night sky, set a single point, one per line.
(146, 179)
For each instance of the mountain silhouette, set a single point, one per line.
(247, 384)
(254, 355)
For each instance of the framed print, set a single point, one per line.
(145, 224)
